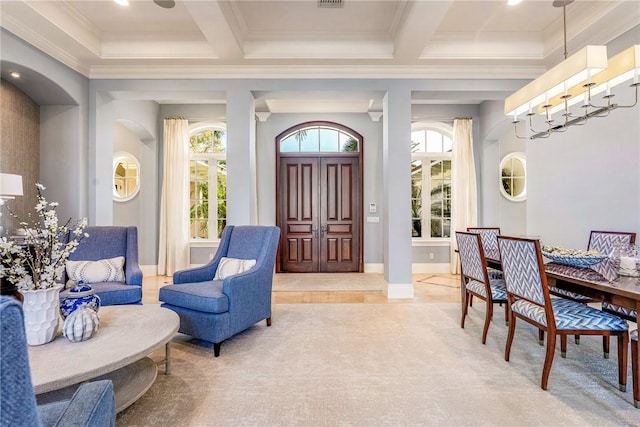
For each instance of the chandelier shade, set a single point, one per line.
(621, 68)
(579, 67)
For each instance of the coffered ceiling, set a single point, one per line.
(299, 39)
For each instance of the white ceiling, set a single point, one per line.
(297, 39)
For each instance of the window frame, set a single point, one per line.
(428, 157)
(213, 159)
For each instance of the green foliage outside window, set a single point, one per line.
(208, 141)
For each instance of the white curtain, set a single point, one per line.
(173, 253)
(464, 209)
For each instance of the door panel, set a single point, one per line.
(339, 243)
(298, 189)
(320, 219)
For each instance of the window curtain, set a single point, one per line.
(173, 253)
(464, 209)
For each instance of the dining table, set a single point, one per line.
(623, 290)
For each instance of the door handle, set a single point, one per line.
(324, 229)
(315, 232)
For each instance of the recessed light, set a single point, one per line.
(513, 2)
(122, 2)
(15, 74)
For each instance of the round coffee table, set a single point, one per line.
(127, 334)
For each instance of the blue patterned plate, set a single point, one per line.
(580, 261)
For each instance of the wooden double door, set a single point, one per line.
(320, 214)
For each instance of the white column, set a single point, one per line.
(396, 167)
(241, 158)
(101, 162)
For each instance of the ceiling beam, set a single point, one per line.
(420, 21)
(209, 17)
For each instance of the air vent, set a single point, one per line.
(330, 3)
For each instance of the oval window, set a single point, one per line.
(513, 177)
(126, 176)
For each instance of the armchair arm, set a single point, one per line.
(250, 295)
(93, 404)
(197, 274)
(133, 273)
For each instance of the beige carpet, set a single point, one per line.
(296, 282)
(382, 365)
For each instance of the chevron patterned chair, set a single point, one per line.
(477, 280)
(603, 242)
(489, 239)
(607, 240)
(529, 299)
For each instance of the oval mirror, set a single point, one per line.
(513, 177)
(126, 176)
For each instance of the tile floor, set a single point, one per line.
(428, 288)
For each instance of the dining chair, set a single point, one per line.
(476, 279)
(489, 239)
(603, 242)
(529, 299)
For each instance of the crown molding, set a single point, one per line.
(314, 72)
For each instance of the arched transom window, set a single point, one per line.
(319, 139)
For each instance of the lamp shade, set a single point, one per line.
(621, 68)
(10, 185)
(588, 61)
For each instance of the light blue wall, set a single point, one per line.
(585, 179)
(63, 125)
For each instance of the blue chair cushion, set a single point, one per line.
(622, 311)
(568, 294)
(498, 289)
(571, 315)
(200, 296)
(114, 293)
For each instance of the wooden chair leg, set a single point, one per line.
(487, 322)
(465, 310)
(506, 314)
(635, 367)
(470, 300)
(548, 359)
(216, 348)
(563, 346)
(512, 330)
(268, 321)
(623, 342)
(540, 337)
(577, 339)
(605, 346)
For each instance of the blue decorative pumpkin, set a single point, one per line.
(79, 295)
(81, 324)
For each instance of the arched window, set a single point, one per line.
(207, 181)
(431, 147)
(319, 139)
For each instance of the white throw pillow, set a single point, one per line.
(228, 267)
(104, 270)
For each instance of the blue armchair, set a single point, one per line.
(93, 404)
(106, 242)
(212, 309)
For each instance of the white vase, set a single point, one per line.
(41, 314)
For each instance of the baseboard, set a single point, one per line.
(398, 290)
(425, 267)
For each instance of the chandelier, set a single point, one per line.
(575, 81)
